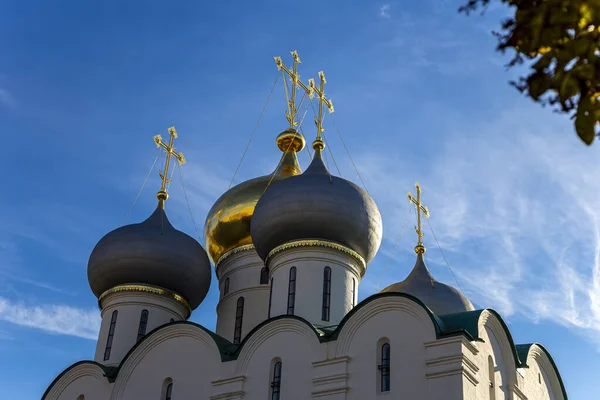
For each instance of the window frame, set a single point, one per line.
(111, 334)
(385, 367)
(276, 381)
(270, 298)
(264, 275)
(169, 391)
(326, 299)
(239, 319)
(291, 299)
(143, 325)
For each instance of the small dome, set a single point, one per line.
(227, 225)
(317, 205)
(151, 253)
(438, 297)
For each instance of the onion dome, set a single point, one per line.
(438, 297)
(317, 205)
(151, 253)
(227, 225)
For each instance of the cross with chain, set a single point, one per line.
(162, 195)
(420, 249)
(295, 78)
(320, 91)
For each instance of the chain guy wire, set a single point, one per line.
(188, 204)
(444, 255)
(395, 246)
(253, 132)
(142, 188)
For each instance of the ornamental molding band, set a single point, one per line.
(239, 249)
(317, 243)
(146, 289)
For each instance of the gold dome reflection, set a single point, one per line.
(228, 222)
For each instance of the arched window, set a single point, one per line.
(325, 309)
(226, 287)
(384, 368)
(276, 381)
(81, 397)
(143, 324)
(353, 292)
(270, 297)
(172, 320)
(111, 334)
(167, 389)
(264, 276)
(239, 315)
(291, 292)
(492, 378)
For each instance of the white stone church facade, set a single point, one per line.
(289, 251)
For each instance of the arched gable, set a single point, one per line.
(68, 379)
(156, 338)
(268, 329)
(535, 352)
(491, 321)
(384, 302)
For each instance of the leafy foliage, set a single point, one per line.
(561, 39)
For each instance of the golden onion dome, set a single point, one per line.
(227, 225)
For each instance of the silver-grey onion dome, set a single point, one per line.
(151, 253)
(316, 205)
(438, 297)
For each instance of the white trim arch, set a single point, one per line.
(496, 327)
(79, 371)
(377, 306)
(155, 339)
(272, 328)
(539, 355)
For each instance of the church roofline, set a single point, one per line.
(464, 323)
(524, 349)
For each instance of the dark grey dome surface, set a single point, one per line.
(316, 205)
(152, 253)
(440, 298)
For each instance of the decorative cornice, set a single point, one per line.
(317, 243)
(145, 289)
(239, 249)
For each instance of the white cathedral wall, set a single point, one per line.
(310, 263)
(84, 379)
(243, 271)
(540, 380)
(129, 304)
(182, 353)
(406, 326)
(294, 344)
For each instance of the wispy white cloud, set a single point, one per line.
(59, 319)
(384, 11)
(517, 212)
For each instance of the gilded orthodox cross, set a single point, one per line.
(320, 91)
(420, 249)
(295, 78)
(162, 195)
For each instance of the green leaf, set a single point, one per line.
(585, 120)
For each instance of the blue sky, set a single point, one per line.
(420, 95)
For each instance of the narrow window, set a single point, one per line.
(226, 287)
(276, 382)
(143, 324)
(492, 378)
(353, 292)
(169, 391)
(239, 315)
(270, 297)
(111, 333)
(326, 294)
(384, 368)
(264, 276)
(81, 397)
(291, 292)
